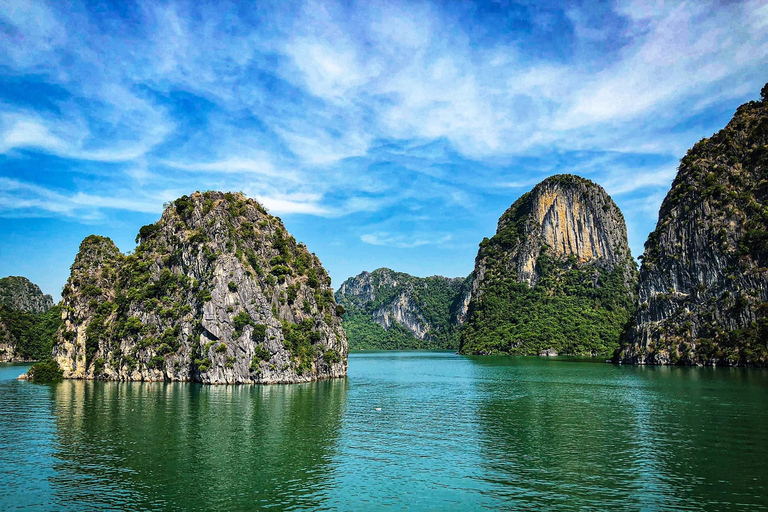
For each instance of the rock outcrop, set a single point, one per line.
(703, 295)
(19, 293)
(216, 291)
(393, 310)
(557, 277)
(7, 344)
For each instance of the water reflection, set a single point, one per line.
(628, 438)
(187, 446)
(27, 432)
(412, 431)
(707, 428)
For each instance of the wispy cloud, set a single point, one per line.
(19, 198)
(262, 167)
(19, 131)
(620, 183)
(404, 242)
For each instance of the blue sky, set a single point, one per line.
(383, 133)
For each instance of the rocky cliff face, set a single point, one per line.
(19, 293)
(704, 279)
(394, 310)
(7, 344)
(557, 277)
(216, 291)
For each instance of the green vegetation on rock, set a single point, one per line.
(31, 334)
(387, 310)
(703, 291)
(557, 277)
(569, 311)
(45, 371)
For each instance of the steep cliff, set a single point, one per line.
(394, 310)
(216, 291)
(19, 293)
(557, 278)
(704, 279)
(28, 321)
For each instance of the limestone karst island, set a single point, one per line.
(371, 256)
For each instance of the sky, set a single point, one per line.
(384, 134)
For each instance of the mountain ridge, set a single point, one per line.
(389, 309)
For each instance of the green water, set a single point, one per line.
(452, 433)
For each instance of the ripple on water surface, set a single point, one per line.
(406, 430)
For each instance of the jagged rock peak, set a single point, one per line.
(20, 293)
(216, 291)
(387, 309)
(703, 295)
(559, 261)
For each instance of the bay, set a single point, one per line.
(404, 431)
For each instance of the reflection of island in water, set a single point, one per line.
(556, 432)
(188, 446)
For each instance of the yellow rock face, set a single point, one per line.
(567, 227)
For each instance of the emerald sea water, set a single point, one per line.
(404, 431)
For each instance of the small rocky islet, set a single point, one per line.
(217, 291)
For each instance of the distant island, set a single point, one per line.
(28, 321)
(388, 310)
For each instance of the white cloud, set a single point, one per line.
(32, 32)
(328, 70)
(234, 165)
(315, 146)
(361, 77)
(134, 128)
(20, 131)
(18, 195)
(488, 101)
(625, 180)
(402, 241)
(284, 206)
(677, 52)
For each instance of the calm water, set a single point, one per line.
(452, 433)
